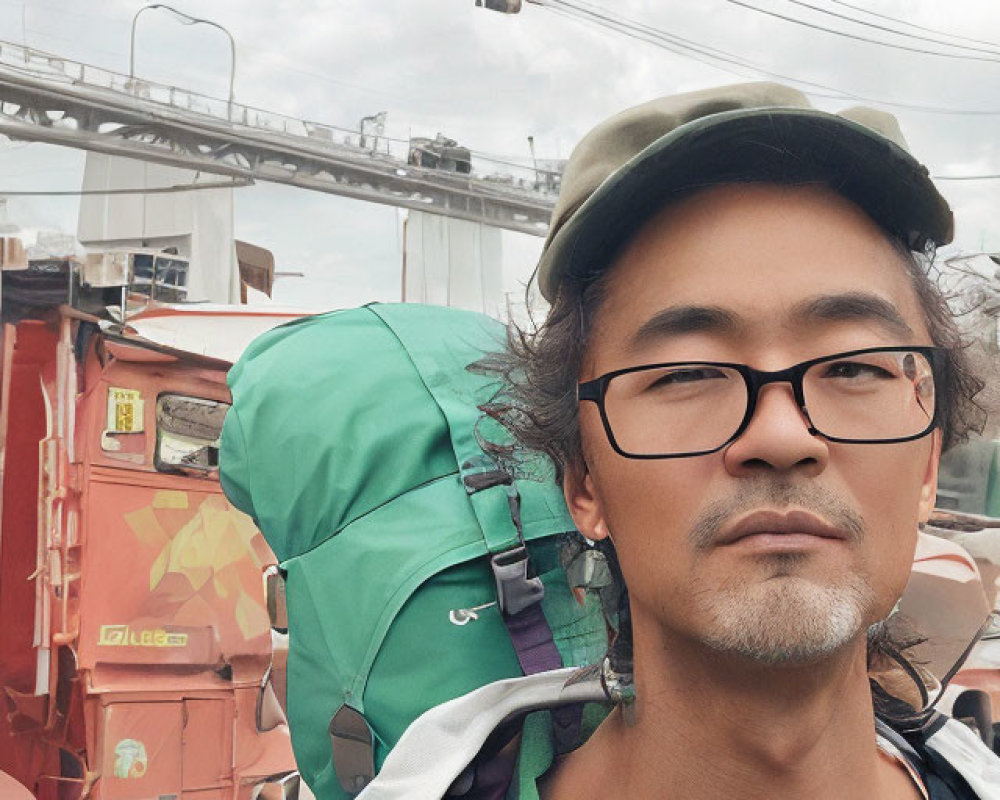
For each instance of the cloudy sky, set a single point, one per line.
(491, 80)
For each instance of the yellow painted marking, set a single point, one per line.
(170, 498)
(147, 527)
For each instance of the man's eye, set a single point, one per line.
(676, 377)
(856, 370)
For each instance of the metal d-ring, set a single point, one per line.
(463, 616)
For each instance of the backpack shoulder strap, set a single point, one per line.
(953, 762)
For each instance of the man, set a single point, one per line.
(746, 380)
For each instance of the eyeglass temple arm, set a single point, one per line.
(591, 390)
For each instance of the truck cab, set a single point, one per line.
(137, 647)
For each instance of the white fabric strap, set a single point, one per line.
(967, 753)
(442, 741)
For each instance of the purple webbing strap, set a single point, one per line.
(536, 650)
(531, 636)
(532, 639)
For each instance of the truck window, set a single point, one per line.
(142, 273)
(187, 433)
(171, 280)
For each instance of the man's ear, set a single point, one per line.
(928, 489)
(583, 503)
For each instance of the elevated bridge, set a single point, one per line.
(45, 98)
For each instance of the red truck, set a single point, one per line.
(136, 644)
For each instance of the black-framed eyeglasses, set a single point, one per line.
(690, 408)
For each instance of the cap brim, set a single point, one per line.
(753, 145)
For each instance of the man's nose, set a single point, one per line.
(777, 437)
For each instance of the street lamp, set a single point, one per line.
(503, 6)
(186, 19)
(534, 161)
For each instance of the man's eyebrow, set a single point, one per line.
(859, 306)
(679, 320)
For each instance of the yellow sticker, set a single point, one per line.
(125, 410)
(124, 636)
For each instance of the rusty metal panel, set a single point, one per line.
(207, 745)
(189, 592)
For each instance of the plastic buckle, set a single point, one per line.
(515, 590)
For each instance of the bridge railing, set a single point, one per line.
(510, 173)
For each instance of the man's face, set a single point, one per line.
(767, 276)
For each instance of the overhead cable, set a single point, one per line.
(597, 15)
(605, 14)
(912, 24)
(675, 44)
(184, 187)
(855, 37)
(995, 51)
(966, 177)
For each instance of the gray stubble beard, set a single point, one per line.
(788, 619)
(783, 618)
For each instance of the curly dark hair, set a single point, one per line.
(540, 368)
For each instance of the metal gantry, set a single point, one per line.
(45, 98)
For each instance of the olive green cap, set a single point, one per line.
(637, 161)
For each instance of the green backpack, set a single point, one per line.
(416, 569)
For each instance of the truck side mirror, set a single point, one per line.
(274, 591)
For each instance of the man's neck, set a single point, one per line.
(707, 725)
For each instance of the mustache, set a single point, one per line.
(777, 495)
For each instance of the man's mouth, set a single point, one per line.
(781, 528)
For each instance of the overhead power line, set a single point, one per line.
(913, 25)
(993, 50)
(966, 177)
(184, 187)
(721, 59)
(855, 37)
(676, 44)
(597, 15)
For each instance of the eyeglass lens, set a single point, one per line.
(697, 407)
